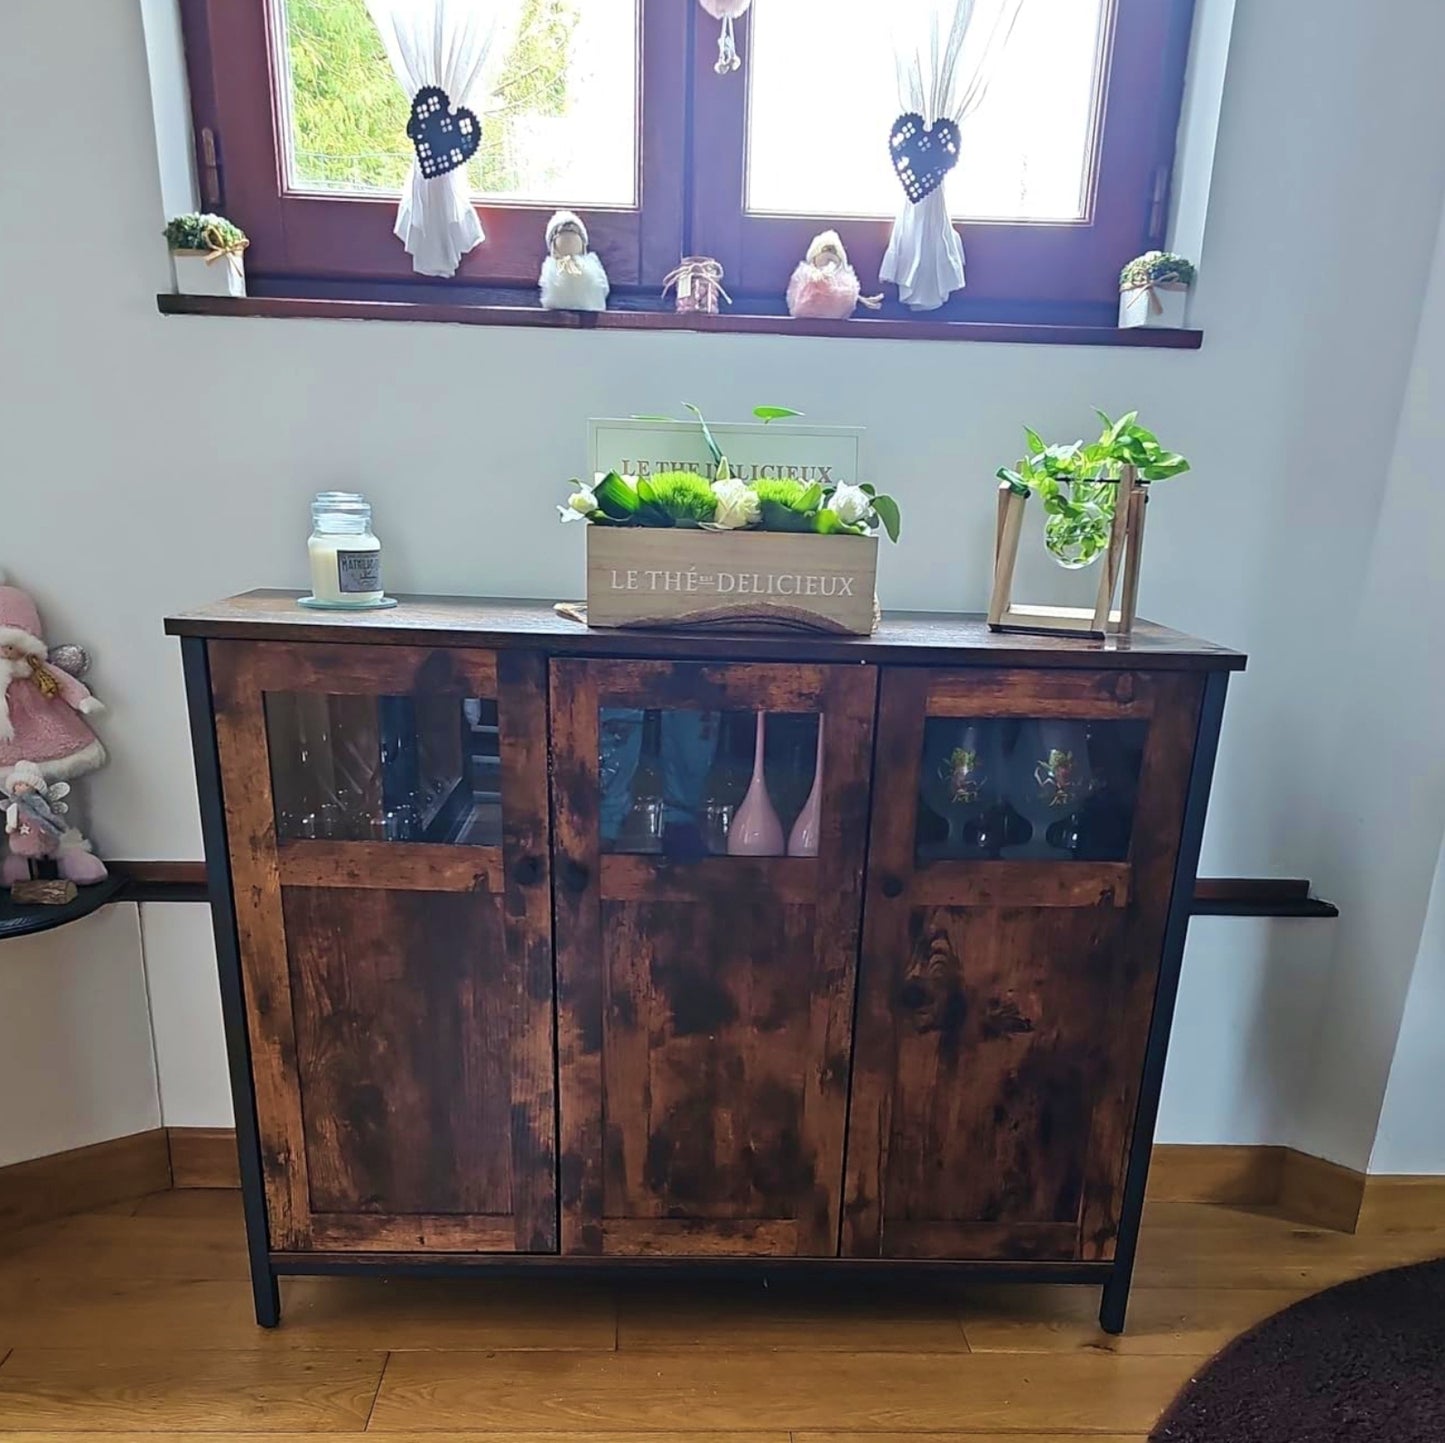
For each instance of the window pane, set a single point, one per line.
(824, 94)
(559, 125)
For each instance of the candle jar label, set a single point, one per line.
(358, 571)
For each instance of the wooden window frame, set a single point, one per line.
(692, 146)
(1060, 272)
(235, 100)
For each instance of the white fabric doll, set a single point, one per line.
(572, 275)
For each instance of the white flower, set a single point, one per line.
(580, 504)
(737, 505)
(851, 504)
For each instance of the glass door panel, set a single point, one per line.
(388, 816)
(422, 768)
(683, 783)
(1028, 788)
(710, 833)
(1016, 907)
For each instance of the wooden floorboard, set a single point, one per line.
(726, 1391)
(133, 1323)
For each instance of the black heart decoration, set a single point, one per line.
(444, 138)
(922, 155)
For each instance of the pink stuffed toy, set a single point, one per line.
(35, 826)
(44, 739)
(824, 285)
(42, 706)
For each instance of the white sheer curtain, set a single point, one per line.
(445, 43)
(941, 76)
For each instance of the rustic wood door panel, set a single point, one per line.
(398, 992)
(705, 1005)
(1005, 1004)
(403, 1032)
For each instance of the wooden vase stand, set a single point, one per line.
(1124, 553)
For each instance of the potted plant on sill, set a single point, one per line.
(206, 255)
(1154, 290)
(678, 549)
(1094, 498)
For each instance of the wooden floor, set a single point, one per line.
(136, 1321)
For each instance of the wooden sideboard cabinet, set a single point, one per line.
(549, 947)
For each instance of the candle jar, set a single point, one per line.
(344, 551)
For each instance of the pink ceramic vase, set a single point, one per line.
(803, 840)
(756, 830)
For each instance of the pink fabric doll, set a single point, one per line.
(42, 708)
(34, 827)
(824, 285)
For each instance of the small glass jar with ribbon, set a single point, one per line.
(206, 255)
(698, 284)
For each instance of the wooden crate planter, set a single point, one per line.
(733, 580)
(1122, 558)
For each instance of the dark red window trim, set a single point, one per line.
(692, 149)
(1064, 272)
(233, 95)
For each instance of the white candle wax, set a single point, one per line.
(345, 568)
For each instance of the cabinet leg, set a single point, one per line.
(267, 1297)
(1115, 1302)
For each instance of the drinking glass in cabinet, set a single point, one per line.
(963, 787)
(687, 784)
(385, 768)
(1028, 788)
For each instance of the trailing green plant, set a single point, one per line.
(1077, 483)
(201, 232)
(1156, 268)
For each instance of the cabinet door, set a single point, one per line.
(386, 809)
(1022, 855)
(705, 983)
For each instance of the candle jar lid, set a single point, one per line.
(341, 513)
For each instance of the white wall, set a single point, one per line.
(1381, 772)
(1411, 1135)
(172, 459)
(190, 1040)
(75, 1041)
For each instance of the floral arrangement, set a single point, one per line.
(1076, 483)
(685, 498)
(209, 234)
(1155, 268)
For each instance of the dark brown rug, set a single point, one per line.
(1361, 1363)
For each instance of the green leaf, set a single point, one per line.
(1036, 442)
(868, 490)
(616, 499)
(777, 517)
(707, 436)
(826, 523)
(811, 499)
(889, 515)
(774, 413)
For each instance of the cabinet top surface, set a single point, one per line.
(929, 637)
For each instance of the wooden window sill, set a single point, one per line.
(625, 319)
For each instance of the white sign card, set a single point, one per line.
(754, 450)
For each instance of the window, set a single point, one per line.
(613, 108)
